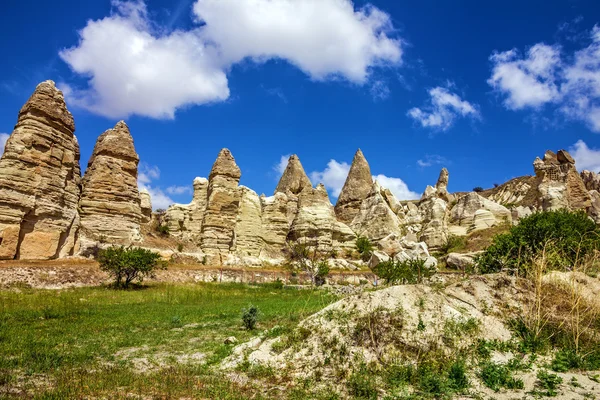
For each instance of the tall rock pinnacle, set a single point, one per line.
(110, 200)
(39, 180)
(218, 227)
(294, 178)
(357, 187)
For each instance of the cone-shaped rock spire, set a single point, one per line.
(294, 179)
(218, 228)
(39, 180)
(110, 200)
(357, 187)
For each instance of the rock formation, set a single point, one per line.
(248, 227)
(222, 205)
(476, 212)
(558, 184)
(357, 187)
(185, 221)
(294, 179)
(375, 218)
(110, 206)
(316, 223)
(591, 180)
(39, 180)
(146, 206)
(276, 223)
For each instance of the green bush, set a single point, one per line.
(250, 317)
(163, 229)
(403, 272)
(128, 264)
(364, 247)
(571, 235)
(548, 382)
(453, 243)
(498, 376)
(362, 385)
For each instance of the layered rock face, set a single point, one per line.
(559, 185)
(591, 180)
(375, 218)
(476, 212)
(185, 221)
(222, 205)
(357, 187)
(146, 206)
(316, 223)
(110, 205)
(39, 180)
(294, 179)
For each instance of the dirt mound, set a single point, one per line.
(399, 322)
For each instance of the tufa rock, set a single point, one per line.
(357, 187)
(110, 205)
(294, 179)
(39, 180)
(591, 180)
(185, 221)
(218, 227)
(146, 206)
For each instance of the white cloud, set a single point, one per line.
(443, 109)
(545, 76)
(3, 138)
(146, 175)
(335, 174)
(280, 167)
(134, 67)
(431, 160)
(134, 70)
(527, 82)
(585, 158)
(397, 186)
(323, 38)
(333, 177)
(179, 190)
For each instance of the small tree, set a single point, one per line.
(364, 247)
(128, 264)
(478, 189)
(306, 258)
(250, 317)
(409, 271)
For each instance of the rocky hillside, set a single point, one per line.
(48, 210)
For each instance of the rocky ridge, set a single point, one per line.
(48, 211)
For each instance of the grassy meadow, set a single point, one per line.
(159, 341)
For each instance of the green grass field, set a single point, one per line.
(160, 341)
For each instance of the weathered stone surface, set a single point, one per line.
(594, 210)
(591, 180)
(248, 228)
(460, 261)
(375, 219)
(558, 184)
(434, 214)
(275, 223)
(378, 257)
(316, 224)
(185, 221)
(39, 179)
(294, 179)
(356, 189)
(218, 227)
(465, 213)
(442, 186)
(110, 201)
(512, 192)
(146, 206)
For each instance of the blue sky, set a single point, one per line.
(481, 88)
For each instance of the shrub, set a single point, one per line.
(364, 247)
(498, 376)
(401, 272)
(163, 229)
(453, 243)
(478, 189)
(250, 317)
(306, 258)
(361, 384)
(548, 382)
(572, 236)
(180, 248)
(128, 264)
